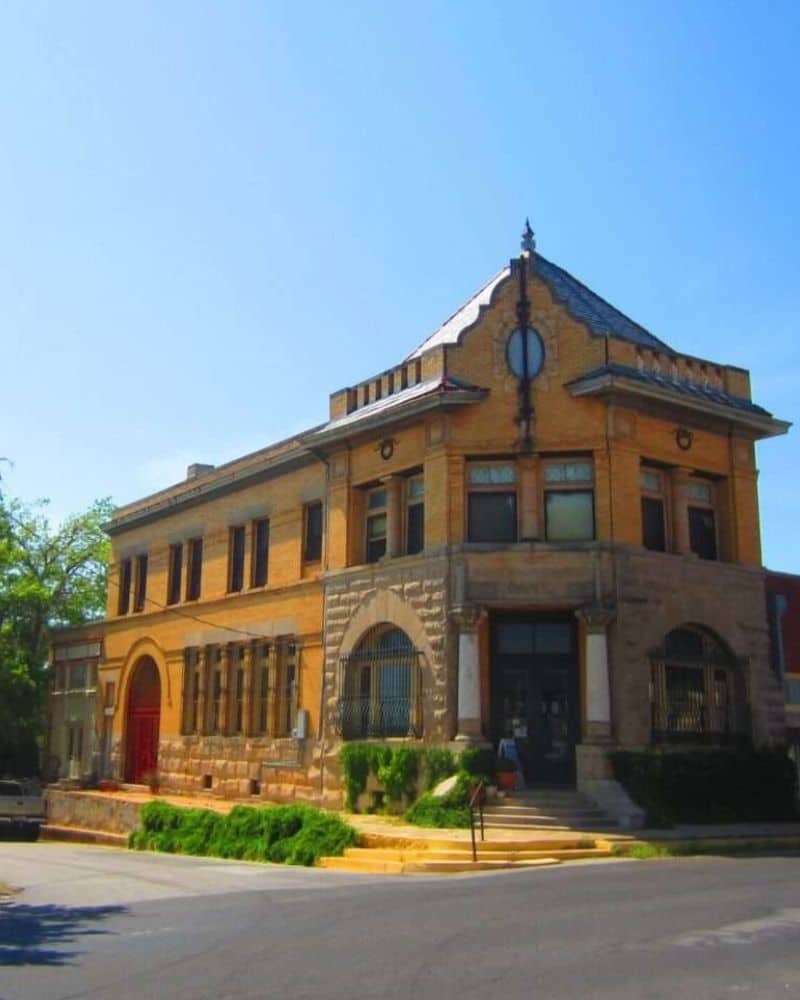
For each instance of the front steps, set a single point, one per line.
(533, 828)
(438, 856)
(545, 809)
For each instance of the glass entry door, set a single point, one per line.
(534, 680)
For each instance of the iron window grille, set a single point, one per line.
(381, 688)
(695, 692)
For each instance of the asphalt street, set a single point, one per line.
(94, 922)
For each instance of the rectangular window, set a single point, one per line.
(236, 541)
(260, 553)
(191, 689)
(74, 740)
(125, 572)
(702, 518)
(415, 515)
(140, 590)
(216, 692)
(568, 504)
(654, 523)
(376, 525)
(703, 532)
(174, 574)
(194, 573)
(312, 543)
(238, 690)
(491, 508)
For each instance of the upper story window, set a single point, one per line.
(654, 509)
(569, 500)
(236, 543)
(701, 509)
(259, 561)
(376, 528)
(174, 573)
(125, 576)
(491, 502)
(415, 515)
(312, 532)
(194, 572)
(140, 589)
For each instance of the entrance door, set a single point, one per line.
(144, 711)
(534, 680)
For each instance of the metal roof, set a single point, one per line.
(581, 303)
(700, 391)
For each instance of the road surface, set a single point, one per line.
(95, 922)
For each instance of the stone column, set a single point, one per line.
(394, 516)
(598, 689)
(680, 510)
(467, 620)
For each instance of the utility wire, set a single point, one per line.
(171, 609)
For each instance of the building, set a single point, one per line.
(542, 522)
(783, 614)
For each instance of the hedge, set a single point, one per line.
(292, 835)
(709, 786)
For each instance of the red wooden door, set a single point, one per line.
(144, 701)
(143, 747)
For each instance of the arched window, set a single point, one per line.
(695, 690)
(379, 684)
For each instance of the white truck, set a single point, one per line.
(21, 812)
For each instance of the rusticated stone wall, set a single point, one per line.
(412, 594)
(284, 769)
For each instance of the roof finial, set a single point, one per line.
(528, 243)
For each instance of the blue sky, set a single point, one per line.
(213, 215)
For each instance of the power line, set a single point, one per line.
(171, 609)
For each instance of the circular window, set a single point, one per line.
(520, 365)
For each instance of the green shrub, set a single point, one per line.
(439, 764)
(709, 786)
(398, 774)
(449, 811)
(396, 768)
(295, 835)
(355, 760)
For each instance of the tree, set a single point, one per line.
(49, 578)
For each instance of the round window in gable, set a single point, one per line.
(525, 353)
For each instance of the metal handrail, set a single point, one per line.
(476, 800)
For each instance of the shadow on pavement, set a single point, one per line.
(36, 935)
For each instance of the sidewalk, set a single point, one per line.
(95, 806)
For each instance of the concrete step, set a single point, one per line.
(534, 841)
(389, 867)
(494, 854)
(542, 820)
(83, 835)
(551, 813)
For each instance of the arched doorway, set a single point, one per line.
(144, 710)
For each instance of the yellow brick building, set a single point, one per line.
(542, 525)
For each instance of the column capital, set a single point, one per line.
(596, 619)
(468, 616)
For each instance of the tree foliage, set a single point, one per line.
(49, 578)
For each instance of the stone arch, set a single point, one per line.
(385, 607)
(698, 691)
